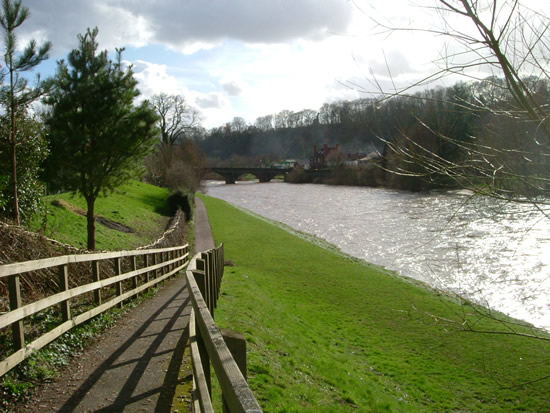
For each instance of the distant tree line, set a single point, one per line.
(362, 125)
(419, 135)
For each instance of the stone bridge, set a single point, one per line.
(263, 174)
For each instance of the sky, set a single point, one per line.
(250, 58)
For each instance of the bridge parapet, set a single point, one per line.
(263, 174)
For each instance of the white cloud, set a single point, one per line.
(182, 24)
(211, 101)
(188, 26)
(232, 87)
(61, 21)
(216, 109)
(153, 78)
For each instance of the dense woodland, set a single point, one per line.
(358, 126)
(420, 136)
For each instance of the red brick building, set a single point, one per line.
(319, 158)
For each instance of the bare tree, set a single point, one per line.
(238, 124)
(308, 117)
(177, 117)
(264, 123)
(501, 39)
(282, 119)
(177, 167)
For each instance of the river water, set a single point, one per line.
(494, 252)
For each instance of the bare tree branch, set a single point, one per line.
(177, 118)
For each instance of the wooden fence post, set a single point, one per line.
(147, 273)
(236, 343)
(18, 332)
(172, 255)
(207, 257)
(200, 278)
(96, 277)
(221, 267)
(133, 267)
(182, 256)
(219, 270)
(118, 285)
(64, 286)
(214, 279)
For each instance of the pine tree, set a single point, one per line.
(16, 95)
(98, 138)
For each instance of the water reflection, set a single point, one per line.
(495, 252)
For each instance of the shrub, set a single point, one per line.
(31, 152)
(298, 176)
(180, 200)
(175, 166)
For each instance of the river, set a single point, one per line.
(493, 252)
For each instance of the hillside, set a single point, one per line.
(132, 216)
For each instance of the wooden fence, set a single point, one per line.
(136, 270)
(226, 351)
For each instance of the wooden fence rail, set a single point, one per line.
(226, 351)
(157, 265)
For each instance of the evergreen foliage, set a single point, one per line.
(31, 152)
(98, 137)
(15, 97)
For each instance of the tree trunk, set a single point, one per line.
(13, 137)
(91, 222)
(14, 179)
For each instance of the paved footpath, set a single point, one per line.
(136, 365)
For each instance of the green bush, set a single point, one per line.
(181, 200)
(31, 152)
(298, 176)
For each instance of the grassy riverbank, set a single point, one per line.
(327, 332)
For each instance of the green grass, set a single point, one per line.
(136, 204)
(327, 332)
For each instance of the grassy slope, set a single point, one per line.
(136, 204)
(329, 333)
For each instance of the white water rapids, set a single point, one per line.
(494, 252)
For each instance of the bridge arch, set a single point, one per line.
(263, 174)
